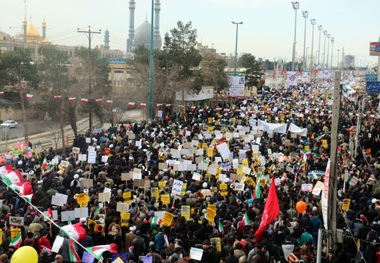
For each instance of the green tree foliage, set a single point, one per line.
(253, 71)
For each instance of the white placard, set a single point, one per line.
(239, 187)
(64, 163)
(81, 212)
(82, 157)
(224, 150)
(177, 187)
(91, 149)
(202, 166)
(104, 158)
(196, 253)
(91, 158)
(76, 150)
(88, 140)
(59, 199)
(222, 177)
(58, 242)
(306, 187)
(196, 176)
(199, 152)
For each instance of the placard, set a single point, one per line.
(126, 176)
(76, 150)
(82, 157)
(165, 199)
(59, 199)
(185, 212)
(122, 207)
(16, 221)
(91, 158)
(88, 183)
(177, 187)
(81, 212)
(196, 253)
(15, 231)
(307, 187)
(167, 219)
(104, 197)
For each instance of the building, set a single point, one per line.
(142, 34)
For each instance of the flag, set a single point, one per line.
(29, 96)
(97, 211)
(57, 97)
(238, 202)
(16, 241)
(156, 221)
(73, 255)
(98, 100)
(220, 227)
(142, 105)
(83, 100)
(50, 213)
(257, 193)
(245, 221)
(71, 99)
(1, 93)
(131, 104)
(159, 105)
(271, 210)
(226, 110)
(97, 251)
(168, 105)
(44, 165)
(75, 231)
(12, 179)
(180, 106)
(47, 167)
(109, 102)
(156, 146)
(192, 108)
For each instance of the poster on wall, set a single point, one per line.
(236, 84)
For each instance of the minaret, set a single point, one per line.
(24, 24)
(131, 32)
(43, 29)
(107, 40)
(156, 32)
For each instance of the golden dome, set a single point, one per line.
(32, 33)
(46, 40)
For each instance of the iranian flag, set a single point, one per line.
(75, 231)
(218, 109)
(98, 100)
(29, 96)
(57, 97)
(180, 106)
(271, 210)
(71, 99)
(192, 108)
(238, 201)
(159, 105)
(131, 104)
(1, 93)
(245, 221)
(83, 100)
(168, 105)
(109, 102)
(220, 227)
(226, 110)
(97, 251)
(73, 254)
(142, 105)
(16, 241)
(156, 221)
(156, 146)
(11, 178)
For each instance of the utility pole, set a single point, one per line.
(332, 206)
(89, 35)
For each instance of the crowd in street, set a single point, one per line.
(140, 165)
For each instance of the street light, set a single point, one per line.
(320, 27)
(305, 15)
(328, 50)
(151, 65)
(313, 22)
(307, 52)
(337, 60)
(324, 48)
(236, 43)
(332, 51)
(296, 6)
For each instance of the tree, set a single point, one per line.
(19, 74)
(253, 72)
(213, 74)
(55, 82)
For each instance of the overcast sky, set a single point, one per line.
(267, 30)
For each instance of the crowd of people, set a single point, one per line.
(154, 153)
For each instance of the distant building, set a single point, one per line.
(141, 36)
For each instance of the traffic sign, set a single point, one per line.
(370, 77)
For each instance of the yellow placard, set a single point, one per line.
(215, 241)
(211, 128)
(185, 212)
(155, 193)
(324, 143)
(307, 148)
(204, 146)
(1, 236)
(183, 189)
(127, 196)
(165, 199)
(209, 120)
(223, 187)
(346, 204)
(167, 219)
(244, 162)
(125, 216)
(82, 199)
(15, 231)
(210, 152)
(161, 184)
(211, 212)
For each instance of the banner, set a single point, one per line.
(292, 78)
(236, 84)
(325, 196)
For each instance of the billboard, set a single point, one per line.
(374, 48)
(236, 85)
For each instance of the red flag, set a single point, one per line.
(271, 210)
(50, 213)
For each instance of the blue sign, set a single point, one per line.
(372, 87)
(377, 48)
(370, 77)
(117, 61)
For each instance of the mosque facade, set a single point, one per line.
(142, 34)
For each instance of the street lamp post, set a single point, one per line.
(324, 48)
(296, 6)
(151, 65)
(332, 51)
(320, 27)
(313, 21)
(305, 14)
(236, 43)
(307, 52)
(328, 50)
(337, 60)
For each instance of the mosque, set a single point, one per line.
(142, 34)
